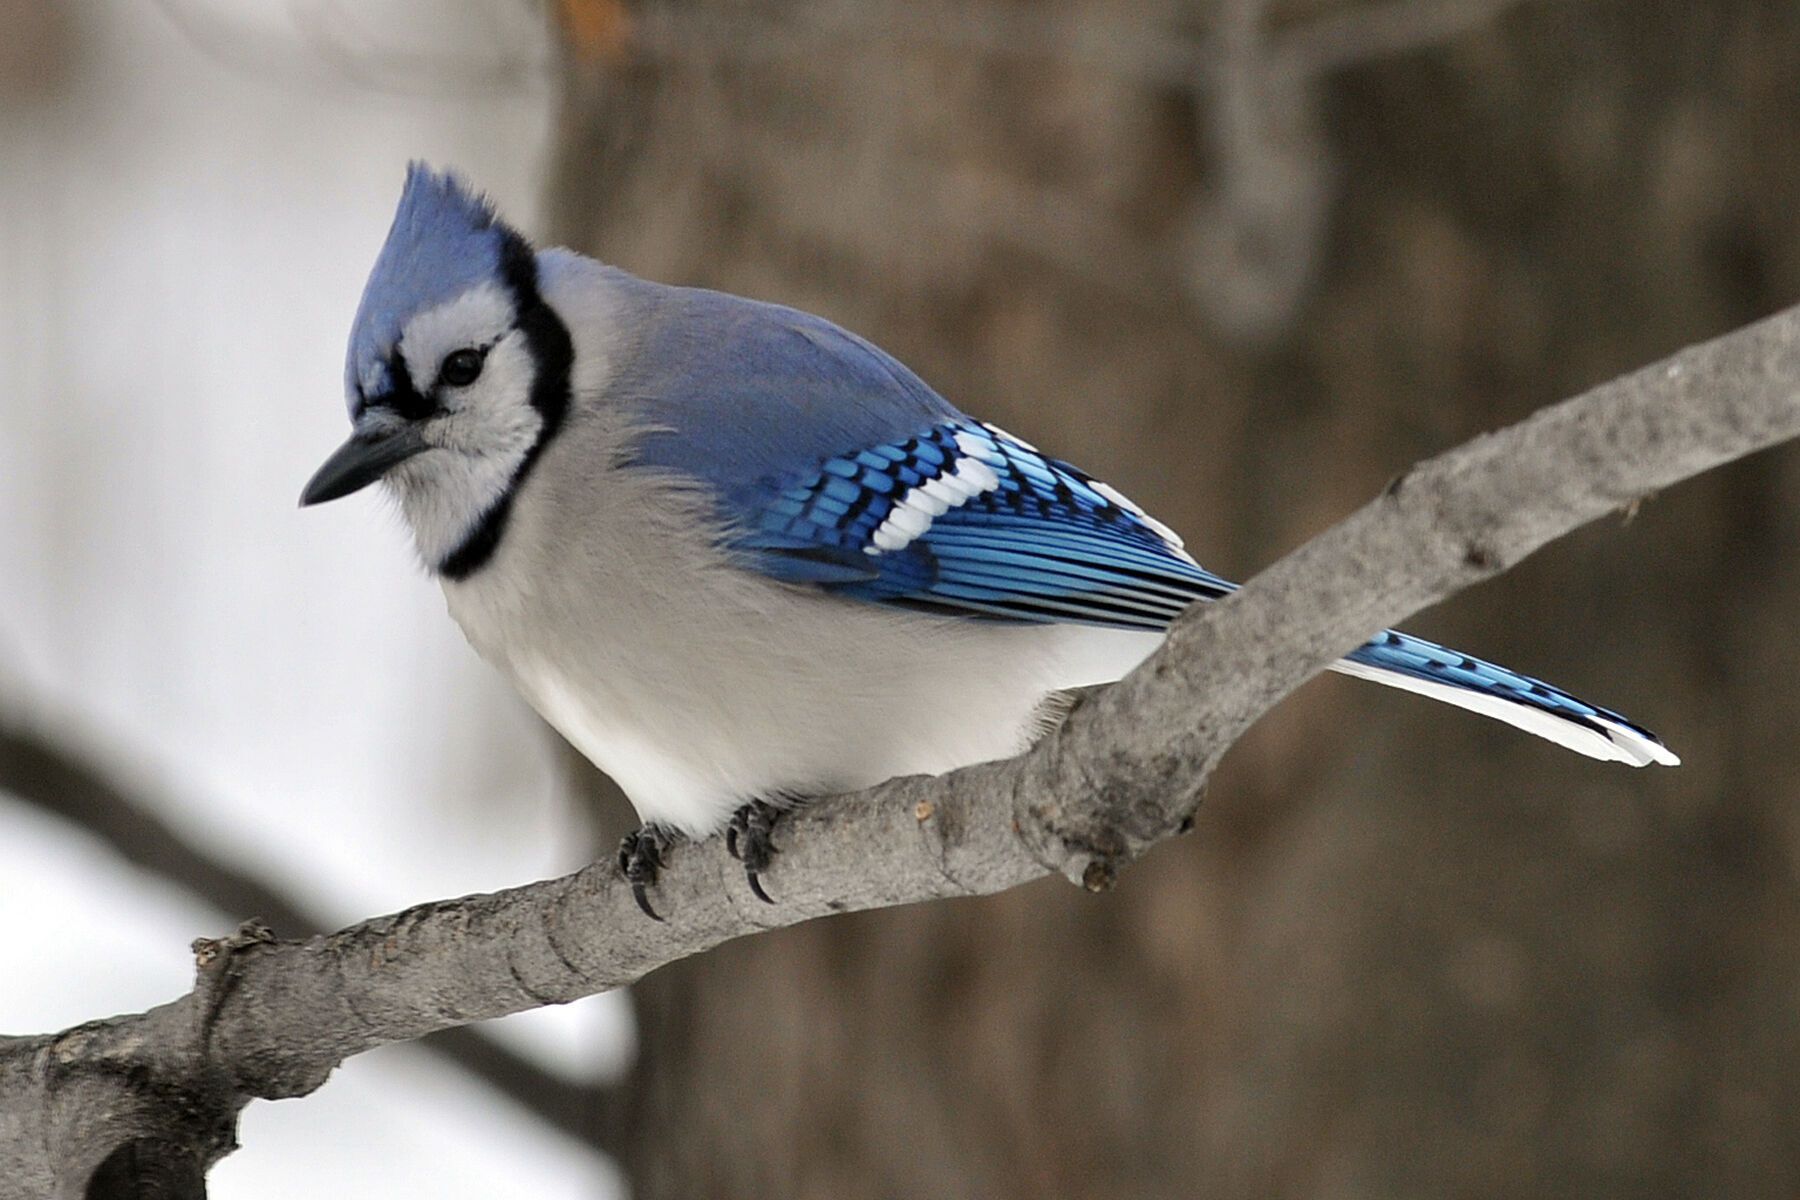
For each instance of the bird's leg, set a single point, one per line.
(641, 858)
(750, 839)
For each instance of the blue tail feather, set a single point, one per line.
(1401, 660)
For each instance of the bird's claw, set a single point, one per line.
(750, 840)
(641, 859)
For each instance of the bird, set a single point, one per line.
(740, 557)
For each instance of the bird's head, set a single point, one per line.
(457, 372)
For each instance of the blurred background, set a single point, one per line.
(1246, 259)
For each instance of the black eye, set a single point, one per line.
(461, 368)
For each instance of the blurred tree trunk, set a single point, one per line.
(1407, 952)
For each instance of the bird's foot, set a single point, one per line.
(640, 860)
(750, 839)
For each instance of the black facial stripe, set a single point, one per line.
(402, 395)
(552, 355)
(546, 337)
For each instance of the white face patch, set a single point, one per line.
(492, 416)
(471, 321)
(914, 512)
(480, 433)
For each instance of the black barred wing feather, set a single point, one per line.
(965, 519)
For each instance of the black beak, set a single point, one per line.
(367, 456)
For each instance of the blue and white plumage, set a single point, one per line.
(735, 553)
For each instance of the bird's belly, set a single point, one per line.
(689, 738)
(666, 785)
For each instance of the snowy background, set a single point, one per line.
(190, 196)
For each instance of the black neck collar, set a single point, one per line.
(552, 355)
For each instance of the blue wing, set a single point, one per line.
(836, 467)
(962, 518)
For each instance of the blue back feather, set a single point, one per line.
(741, 394)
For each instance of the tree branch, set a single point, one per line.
(47, 773)
(271, 1019)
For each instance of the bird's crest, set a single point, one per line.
(445, 239)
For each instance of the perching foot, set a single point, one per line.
(750, 839)
(641, 858)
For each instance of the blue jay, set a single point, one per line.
(738, 556)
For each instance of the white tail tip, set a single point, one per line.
(1611, 742)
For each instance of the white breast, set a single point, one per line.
(698, 686)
